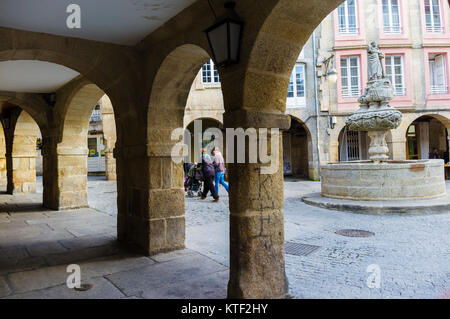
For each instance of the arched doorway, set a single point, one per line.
(353, 145)
(297, 150)
(426, 135)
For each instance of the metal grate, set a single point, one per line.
(299, 249)
(355, 233)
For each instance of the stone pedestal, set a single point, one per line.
(378, 149)
(392, 180)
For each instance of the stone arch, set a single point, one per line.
(102, 63)
(432, 131)
(65, 155)
(207, 123)
(21, 164)
(163, 227)
(285, 28)
(33, 104)
(170, 89)
(296, 142)
(3, 171)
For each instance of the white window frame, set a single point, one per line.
(433, 28)
(296, 101)
(441, 88)
(349, 91)
(399, 88)
(391, 28)
(211, 73)
(346, 29)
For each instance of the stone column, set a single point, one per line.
(110, 162)
(3, 175)
(22, 172)
(65, 176)
(151, 198)
(257, 268)
(110, 137)
(20, 138)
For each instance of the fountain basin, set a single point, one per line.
(391, 180)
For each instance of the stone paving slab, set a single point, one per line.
(144, 280)
(76, 256)
(45, 248)
(207, 287)
(4, 288)
(56, 275)
(102, 289)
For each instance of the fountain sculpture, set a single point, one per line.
(378, 179)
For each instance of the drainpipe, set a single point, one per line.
(316, 103)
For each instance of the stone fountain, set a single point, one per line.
(380, 185)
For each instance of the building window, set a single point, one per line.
(297, 82)
(438, 74)
(433, 16)
(391, 16)
(96, 115)
(296, 90)
(210, 73)
(350, 77)
(395, 72)
(347, 17)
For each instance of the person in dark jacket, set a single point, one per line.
(208, 171)
(435, 154)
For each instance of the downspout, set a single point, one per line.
(316, 103)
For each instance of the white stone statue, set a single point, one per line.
(375, 56)
(376, 116)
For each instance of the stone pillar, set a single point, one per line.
(22, 172)
(21, 137)
(257, 268)
(110, 162)
(110, 137)
(65, 176)
(151, 198)
(3, 175)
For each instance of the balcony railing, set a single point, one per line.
(400, 91)
(96, 116)
(435, 29)
(439, 89)
(395, 29)
(351, 92)
(348, 30)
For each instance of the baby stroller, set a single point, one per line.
(194, 180)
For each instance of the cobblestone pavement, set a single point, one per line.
(412, 253)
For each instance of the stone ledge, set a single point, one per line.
(391, 207)
(256, 119)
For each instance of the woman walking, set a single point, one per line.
(208, 176)
(219, 165)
